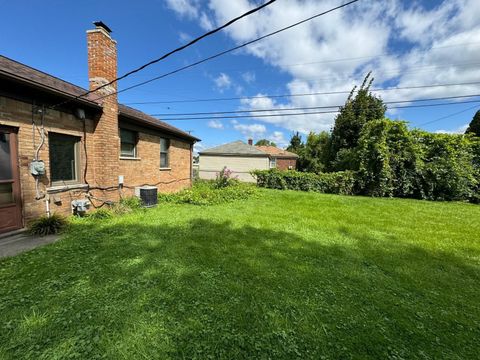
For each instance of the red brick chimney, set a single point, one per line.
(102, 68)
(250, 142)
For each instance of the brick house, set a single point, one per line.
(92, 147)
(242, 158)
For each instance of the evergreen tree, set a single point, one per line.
(359, 109)
(296, 145)
(474, 127)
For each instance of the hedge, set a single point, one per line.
(342, 182)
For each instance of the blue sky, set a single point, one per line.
(419, 43)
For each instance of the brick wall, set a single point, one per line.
(284, 164)
(19, 115)
(146, 168)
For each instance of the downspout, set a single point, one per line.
(191, 163)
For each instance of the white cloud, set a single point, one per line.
(184, 7)
(184, 37)
(366, 33)
(249, 77)
(278, 138)
(223, 81)
(215, 124)
(459, 130)
(253, 131)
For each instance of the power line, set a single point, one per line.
(229, 50)
(297, 95)
(310, 108)
(311, 113)
(209, 33)
(448, 116)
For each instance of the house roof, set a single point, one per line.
(239, 148)
(277, 152)
(25, 74)
(234, 148)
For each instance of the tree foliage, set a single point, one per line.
(360, 108)
(474, 127)
(265, 142)
(296, 144)
(397, 162)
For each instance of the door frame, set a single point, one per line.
(16, 186)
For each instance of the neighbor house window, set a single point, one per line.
(128, 143)
(273, 163)
(64, 158)
(164, 153)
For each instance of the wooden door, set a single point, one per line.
(10, 198)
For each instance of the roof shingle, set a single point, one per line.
(13, 69)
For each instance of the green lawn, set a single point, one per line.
(285, 275)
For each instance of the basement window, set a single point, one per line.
(64, 158)
(164, 153)
(128, 143)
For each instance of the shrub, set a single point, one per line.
(389, 160)
(100, 214)
(342, 182)
(47, 225)
(207, 193)
(224, 178)
(132, 202)
(448, 171)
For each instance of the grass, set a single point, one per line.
(286, 275)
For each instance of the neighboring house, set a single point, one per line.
(91, 147)
(242, 158)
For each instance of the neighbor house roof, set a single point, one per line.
(239, 148)
(236, 148)
(277, 152)
(14, 70)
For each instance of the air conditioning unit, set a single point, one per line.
(148, 195)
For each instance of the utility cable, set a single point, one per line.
(312, 107)
(311, 113)
(228, 50)
(140, 68)
(298, 94)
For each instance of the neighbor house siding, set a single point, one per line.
(240, 165)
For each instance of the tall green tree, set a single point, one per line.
(316, 152)
(474, 127)
(296, 144)
(265, 142)
(361, 107)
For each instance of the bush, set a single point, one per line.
(449, 171)
(224, 178)
(100, 214)
(395, 161)
(207, 193)
(132, 202)
(342, 182)
(389, 160)
(45, 225)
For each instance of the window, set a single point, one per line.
(64, 162)
(128, 143)
(273, 163)
(164, 153)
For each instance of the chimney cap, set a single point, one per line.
(100, 24)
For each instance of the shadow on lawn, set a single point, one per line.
(209, 289)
